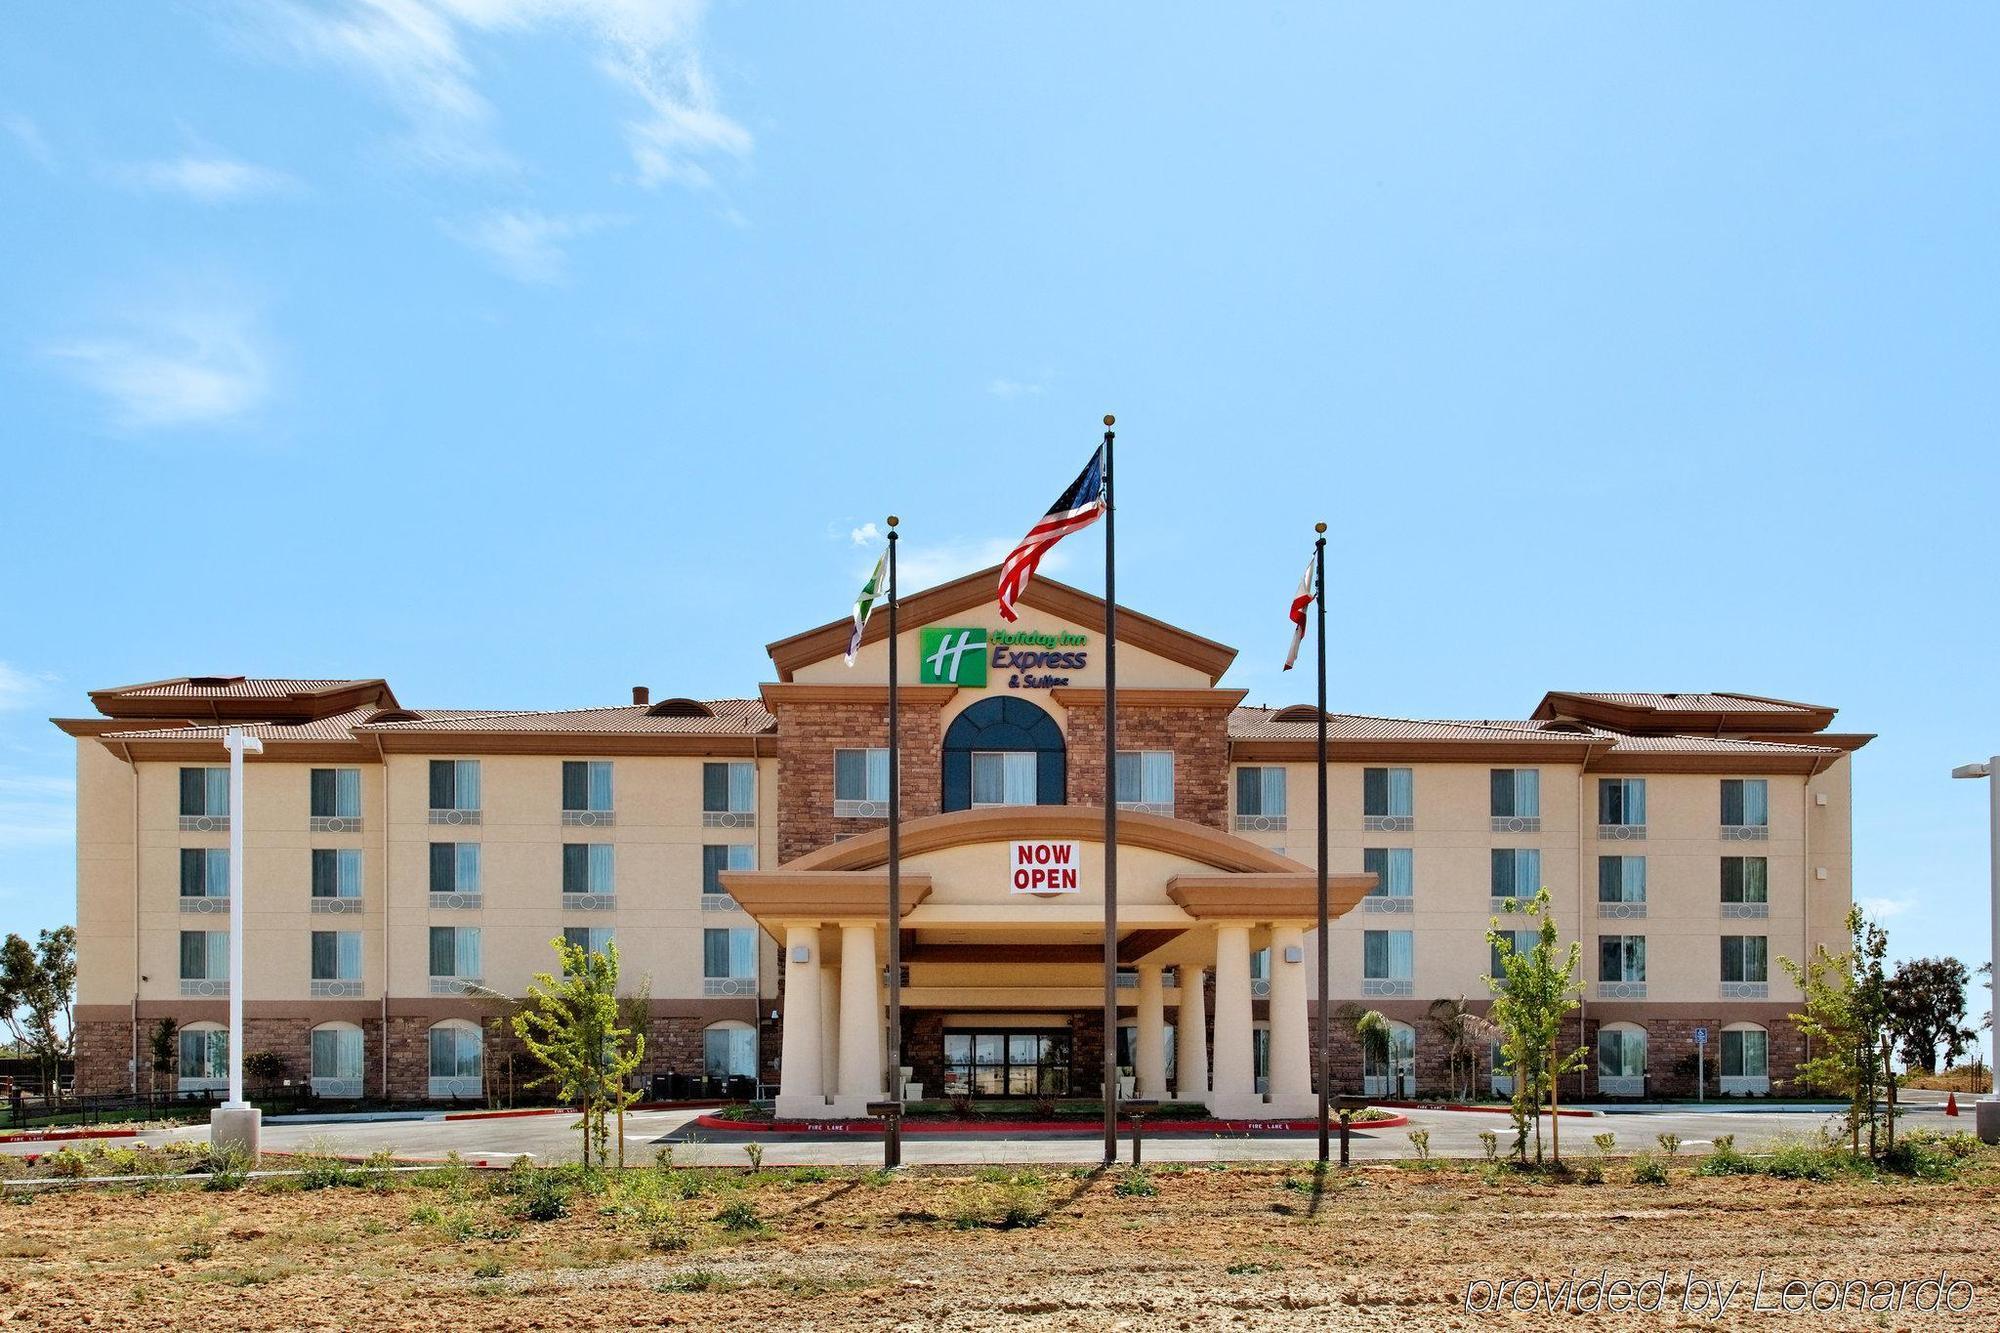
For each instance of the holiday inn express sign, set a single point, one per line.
(1031, 659)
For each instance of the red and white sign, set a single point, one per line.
(1046, 867)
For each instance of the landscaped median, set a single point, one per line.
(1171, 1120)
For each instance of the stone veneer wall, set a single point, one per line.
(1199, 738)
(808, 734)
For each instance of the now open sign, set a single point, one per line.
(1045, 867)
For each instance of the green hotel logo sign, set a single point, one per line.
(957, 655)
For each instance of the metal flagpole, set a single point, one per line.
(238, 744)
(1324, 1063)
(892, 1140)
(1110, 807)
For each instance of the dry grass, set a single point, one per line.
(1263, 1247)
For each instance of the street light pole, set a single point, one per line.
(1986, 1111)
(236, 1123)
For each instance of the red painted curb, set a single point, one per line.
(1462, 1106)
(1000, 1127)
(58, 1135)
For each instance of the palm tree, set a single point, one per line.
(1372, 1031)
(1462, 1032)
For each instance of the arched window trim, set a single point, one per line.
(1008, 724)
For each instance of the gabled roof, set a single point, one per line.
(241, 698)
(1042, 594)
(1709, 711)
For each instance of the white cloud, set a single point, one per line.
(414, 53)
(29, 135)
(212, 179)
(865, 535)
(528, 246)
(1881, 909)
(198, 360)
(18, 688)
(923, 565)
(1003, 388)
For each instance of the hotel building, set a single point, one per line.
(405, 864)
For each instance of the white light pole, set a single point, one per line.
(236, 1123)
(1986, 1111)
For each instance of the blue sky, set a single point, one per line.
(532, 349)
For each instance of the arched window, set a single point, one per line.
(1621, 1060)
(1746, 1060)
(204, 1057)
(457, 1059)
(729, 1050)
(1397, 1077)
(1003, 751)
(336, 1060)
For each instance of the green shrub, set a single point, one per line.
(1135, 1183)
(1420, 1139)
(1489, 1143)
(487, 1267)
(739, 1214)
(1648, 1170)
(228, 1169)
(317, 1172)
(1670, 1144)
(1022, 1204)
(1606, 1144)
(755, 1152)
(1725, 1143)
(1725, 1160)
(1802, 1161)
(543, 1194)
(1591, 1172)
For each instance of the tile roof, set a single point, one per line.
(339, 727)
(1260, 724)
(233, 687)
(732, 717)
(1696, 702)
(1624, 744)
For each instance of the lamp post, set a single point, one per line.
(1986, 1111)
(236, 1124)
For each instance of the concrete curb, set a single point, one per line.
(1004, 1128)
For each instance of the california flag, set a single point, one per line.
(1300, 601)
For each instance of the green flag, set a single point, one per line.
(864, 605)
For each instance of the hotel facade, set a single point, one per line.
(406, 866)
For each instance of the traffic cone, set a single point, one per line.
(1951, 1103)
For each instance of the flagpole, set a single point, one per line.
(892, 1142)
(1324, 1062)
(1110, 807)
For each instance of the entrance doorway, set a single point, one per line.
(1014, 1063)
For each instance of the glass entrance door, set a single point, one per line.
(1006, 1064)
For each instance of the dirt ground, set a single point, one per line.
(1246, 1247)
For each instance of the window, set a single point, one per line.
(860, 779)
(1746, 879)
(1621, 1053)
(456, 1053)
(729, 960)
(587, 868)
(1397, 1076)
(336, 1058)
(1260, 799)
(204, 872)
(204, 956)
(1393, 868)
(1146, 780)
(1386, 793)
(1003, 777)
(586, 785)
(1517, 793)
(336, 793)
(336, 955)
(1746, 1053)
(455, 867)
(729, 1050)
(590, 939)
(1621, 958)
(1522, 942)
(1746, 958)
(336, 872)
(1517, 872)
(1746, 803)
(1621, 802)
(1387, 962)
(729, 789)
(454, 953)
(1621, 879)
(716, 859)
(204, 1054)
(455, 785)
(1260, 966)
(204, 793)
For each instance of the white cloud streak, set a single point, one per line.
(19, 688)
(1004, 388)
(26, 133)
(529, 246)
(200, 360)
(209, 180)
(924, 565)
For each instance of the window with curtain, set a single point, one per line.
(1522, 942)
(729, 1052)
(1621, 1053)
(456, 1052)
(729, 953)
(1621, 958)
(1746, 958)
(204, 1053)
(205, 792)
(204, 955)
(1746, 802)
(1146, 777)
(1517, 872)
(336, 955)
(1394, 871)
(336, 1053)
(586, 784)
(1746, 1053)
(454, 867)
(1003, 777)
(1621, 800)
(204, 872)
(861, 775)
(336, 793)
(728, 788)
(590, 939)
(1260, 791)
(1387, 955)
(1621, 879)
(454, 784)
(587, 867)
(336, 872)
(1745, 879)
(728, 856)
(455, 952)
(1517, 792)
(1260, 965)
(1387, 792)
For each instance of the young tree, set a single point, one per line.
(1927, 1004)
(571, 1024)
(1535, 993)
(1463, 1032)
(163, 1050)
(1848, 1021)
(37, 991)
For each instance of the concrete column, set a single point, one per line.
(801, 1087)
(1150, 1057)
(1235, 1092)
(829, 1030)
(1191, 1037)
(1291, 1048)
(862, 1033)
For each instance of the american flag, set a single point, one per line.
(1300, 601)
(1078, 507)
